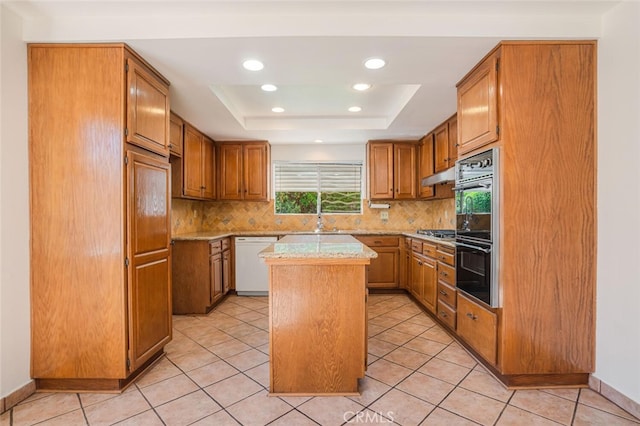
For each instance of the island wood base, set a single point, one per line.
(317, 325)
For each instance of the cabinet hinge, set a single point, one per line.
(126, 67)
(126, 132)
(128, 364)
(126, 262)
(497, 64)
(126, 159)
(497, 130)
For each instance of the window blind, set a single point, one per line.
(317, 177)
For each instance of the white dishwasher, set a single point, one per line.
(252, 273)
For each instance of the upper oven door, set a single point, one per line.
(474, 210)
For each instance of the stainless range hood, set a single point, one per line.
(446, 176)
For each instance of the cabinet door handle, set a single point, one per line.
(472, 316)
(444, 293)
(419, 263)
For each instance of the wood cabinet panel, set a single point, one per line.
(176, 135)
(374, 241)
(380, 168)
(478, 327)
(447, 294)
(227, 267)
(404, 171)
(426, 167)
(215, 269)
(193, 162)
(383, 270)
(208, 169)
(446, 273)
(430, 284)
(441, 138)
(147, 109)
(478, 106)
(230, 170)
(453, 140)
(429, 249)
(256, 172)
(447, 315)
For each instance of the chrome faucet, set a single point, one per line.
(319, 224)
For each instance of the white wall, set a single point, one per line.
(319, 152)
(618, 299)
(14, 210)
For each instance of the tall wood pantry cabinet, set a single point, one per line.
(536, 103)
(100, 205)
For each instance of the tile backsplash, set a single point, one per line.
(193, 216)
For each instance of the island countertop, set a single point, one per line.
(318, 246)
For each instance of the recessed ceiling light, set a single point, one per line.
(277, 109)
(318, 141)
(269, 87)
(355, 109)
(361, 86)
(374, 63)
(253, 65)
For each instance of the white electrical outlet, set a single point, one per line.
(384, 215)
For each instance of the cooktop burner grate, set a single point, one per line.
(438, 233)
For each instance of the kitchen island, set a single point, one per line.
(317, 314)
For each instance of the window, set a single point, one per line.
(314, 188)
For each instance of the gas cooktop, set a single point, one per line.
(438, 233)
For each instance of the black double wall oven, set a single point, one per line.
(476, 197)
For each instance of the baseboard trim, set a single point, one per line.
(17, 396)
(615, 396)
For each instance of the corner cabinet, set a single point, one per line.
(200, 275)
(536, 103)
(193, 175)
(100, 216)
(243, 169)
(391, 170)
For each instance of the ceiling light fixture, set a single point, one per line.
(355, 109)
(361, 86)
(253, 65)
(277, 109)
(318, 141)
(374, 63)
(269, 87)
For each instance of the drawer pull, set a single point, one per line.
(444, 293)
(443, 314)
(377, 242)
(419, 263)
(472, 316)
(444, 274)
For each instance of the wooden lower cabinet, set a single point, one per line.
(384, 271)
(199, 275)
(478, 327)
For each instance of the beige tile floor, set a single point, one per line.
(216, 372)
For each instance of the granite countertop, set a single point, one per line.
(213, 235)
(318, 246)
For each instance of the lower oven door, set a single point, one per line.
(474, 272)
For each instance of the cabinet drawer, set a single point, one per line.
(226, 244)
(445, 256)
(379, 241)
(447, 315)
(407, 243)
(478, 327)
(215, 246)
(446, 273)
(429, 249)
(447, 294)
(416, 246)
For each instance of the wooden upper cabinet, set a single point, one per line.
(441, 136)
(380, 168)
(478, 106)
(244, 170)
(230, 170)
(194, 174)
(453, 140)
(426, 165)
(176, 135)
(147, 109)
(404, 171)
(256, 171)
(391, 170)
